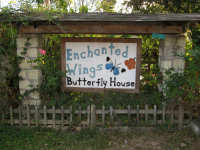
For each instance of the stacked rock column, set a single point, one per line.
(28, 47)
(168, 50)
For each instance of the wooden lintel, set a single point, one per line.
(102, 28)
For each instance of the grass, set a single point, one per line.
(161, 138)
(14, 138)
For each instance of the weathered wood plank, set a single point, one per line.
(108, 17)
(102, 28)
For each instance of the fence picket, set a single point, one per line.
(111, 115)
(88, 115)
(62, 117)
(22, 115)
(103, 115)
(11, 116)
(71, 114)
(172, 116)
(45, 115)
(36, 116)
(146, 113)
(138, 113)
(154, 114)
(93, 116)
(54, 117)
(163, 113)
(180, 117)
(79, 113)
(3, 116)
(129, 114)
(28, 115)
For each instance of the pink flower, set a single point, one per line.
(42, 51)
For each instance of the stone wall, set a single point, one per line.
(168, 50)
(31, 76)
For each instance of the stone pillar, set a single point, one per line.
(168, 50)
(28, 47)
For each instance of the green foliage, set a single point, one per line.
(107, 5)
(185, 87)
(13, 138)
(9, 69)
(165, 6)
(149, 66)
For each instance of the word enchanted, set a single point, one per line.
(90, 53)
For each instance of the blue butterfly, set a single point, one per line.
(113, 68)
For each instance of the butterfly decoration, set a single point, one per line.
(130, 63)
(115, 68)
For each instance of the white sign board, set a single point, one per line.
(101, 64)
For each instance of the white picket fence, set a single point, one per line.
(93, 117)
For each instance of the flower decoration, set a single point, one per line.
(130, 63)
(42, 52)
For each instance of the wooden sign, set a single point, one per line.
(98, 64)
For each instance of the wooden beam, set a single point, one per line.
(102, 28)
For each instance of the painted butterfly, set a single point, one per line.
(113, 67)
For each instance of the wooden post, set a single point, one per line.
(180, 116)
(93, 116)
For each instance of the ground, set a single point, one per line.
(155, 139)
(159, 138)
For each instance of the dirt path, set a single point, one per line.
(155, 140)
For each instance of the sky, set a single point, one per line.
(6, 2)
